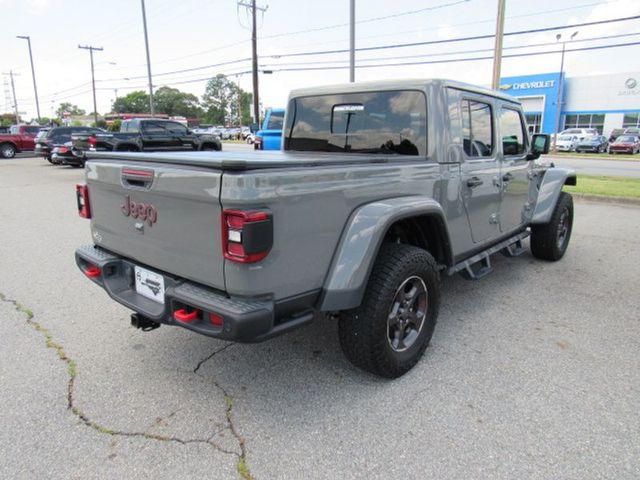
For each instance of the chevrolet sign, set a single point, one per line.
(528, 85)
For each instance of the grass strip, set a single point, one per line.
(606, 186)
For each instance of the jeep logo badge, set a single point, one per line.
(142, 211)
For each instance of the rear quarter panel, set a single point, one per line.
(311, 207)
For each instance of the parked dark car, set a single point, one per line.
(595, 144)
(144, 135)
(63, 155)
(625, 144)
(58, 136)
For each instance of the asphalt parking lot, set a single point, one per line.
(533, 372)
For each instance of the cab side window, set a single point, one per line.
(477, 129)
(512, 130)
(176, 128)
(154, 128)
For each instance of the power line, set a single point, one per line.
(459, 39)
(368, 20)
(456, 52)
(380, 47)
(456, 60)
(397, 64)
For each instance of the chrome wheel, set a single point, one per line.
(407, 314)
(7, 151)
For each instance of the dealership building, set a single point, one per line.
(604, 102)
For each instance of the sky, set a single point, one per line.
(209, 37)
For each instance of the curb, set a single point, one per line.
(614, 158)
(602, 199)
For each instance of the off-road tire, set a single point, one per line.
(545, 243)
(363, 331)
(7, 150)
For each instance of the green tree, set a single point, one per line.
(219, 95)
(246, 102)
(68, 107)
(134, 102)
(174, 102)
(115, 125)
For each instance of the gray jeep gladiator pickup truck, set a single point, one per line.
(380, 189)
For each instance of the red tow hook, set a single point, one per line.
(93, 271)
(183, 316)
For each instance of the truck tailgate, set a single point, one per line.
(166, 218)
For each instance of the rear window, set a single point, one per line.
(275, 121)
(368, 122)
(63, 134)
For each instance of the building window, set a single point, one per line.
(585, 120)
(534, 121)
(631, 120)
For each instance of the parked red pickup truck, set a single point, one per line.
(21, 139)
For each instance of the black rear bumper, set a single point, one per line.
(244, 320)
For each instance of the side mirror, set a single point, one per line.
(540, 143)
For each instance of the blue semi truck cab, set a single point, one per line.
(269, 137)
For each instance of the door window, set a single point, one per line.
(512, 130)
(176, 128)
(154, 128)
(477, 129)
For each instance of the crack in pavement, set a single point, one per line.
(72, 371)
(242, 468)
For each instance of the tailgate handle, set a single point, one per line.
(136, 177)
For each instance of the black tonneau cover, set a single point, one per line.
(252, 160)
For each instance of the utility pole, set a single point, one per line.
(254, 47)
(146, 44)
(352, 41)
(33, 72)
(497, 52)
(13, 89)
(93, 80)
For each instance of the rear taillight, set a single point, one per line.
(247, 235)
(63, 150)
(82, 197)
(92, 141)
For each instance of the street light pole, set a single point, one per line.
(33, 72)
(93, 79)
(146, 44)
(560, 90)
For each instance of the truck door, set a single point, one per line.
(480, 169)
(514, 168)
(183, 140)
(155, 136)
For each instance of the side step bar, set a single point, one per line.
(478, 266)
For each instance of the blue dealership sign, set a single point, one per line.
(539, 92)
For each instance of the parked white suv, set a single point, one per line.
(567, 143)
(580, 132)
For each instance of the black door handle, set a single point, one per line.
(507, 177)
(474, 182)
